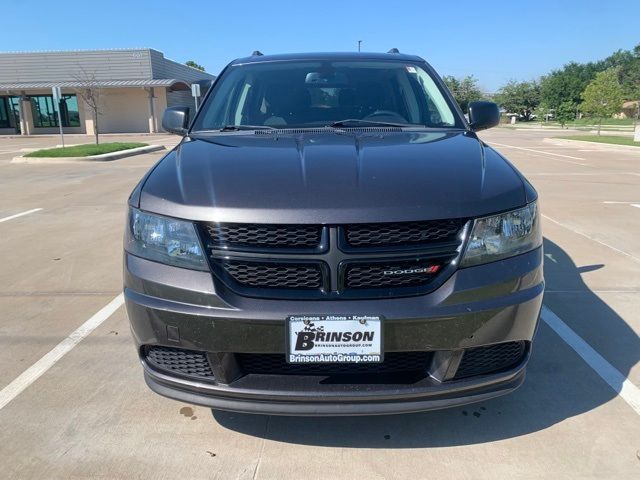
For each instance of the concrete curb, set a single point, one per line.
(532, 129)
(593, 145)
(84, 135)
(569, 131)
(105, 157)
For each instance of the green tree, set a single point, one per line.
(565, 112)
(631, 75)
(603, 96)
(192, 64)
(519, 97)
(628, 64)
(465, 90)
(567, 84)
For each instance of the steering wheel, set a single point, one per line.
(385, 113)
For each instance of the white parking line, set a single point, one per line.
(578, 232)
(616, 380)
(590, 291)
(5, 219)
(543, 152)
(631, 204)
(36, 370)
(580, 174)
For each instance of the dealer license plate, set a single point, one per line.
(334, 338)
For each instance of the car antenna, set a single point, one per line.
(257, 53)
(394, 50)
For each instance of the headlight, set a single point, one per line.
(164, 240)
(504, 235)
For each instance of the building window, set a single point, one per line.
(70, 112)
(4, 113)
(45, 113)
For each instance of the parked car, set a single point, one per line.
(331, 237)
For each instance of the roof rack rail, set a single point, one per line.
(257, 53)
(394, 50)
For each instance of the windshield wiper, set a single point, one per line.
(233, 128)
(355, 122)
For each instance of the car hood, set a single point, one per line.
(332, 178)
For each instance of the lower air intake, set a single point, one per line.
(276, 364)
(490, 359)
(177, 360)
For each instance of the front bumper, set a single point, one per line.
(478, 306)
(393, 401)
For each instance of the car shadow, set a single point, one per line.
(559, 385)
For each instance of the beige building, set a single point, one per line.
(134, 86)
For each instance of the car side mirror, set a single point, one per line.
(483, 115)
(176, 120)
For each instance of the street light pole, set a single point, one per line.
(359, 42)
(57, 99)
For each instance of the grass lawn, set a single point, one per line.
(85, 150)
(604, 139)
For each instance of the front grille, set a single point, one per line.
(186, 362)
(275, 275)
(276, 364)
(261, 236)
(403, 233)
(490, 359)
(390, 275)
(285, 261)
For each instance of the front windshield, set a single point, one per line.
(304, 94)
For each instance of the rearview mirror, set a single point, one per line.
(176, 120)
(483, 115)
(328, 79)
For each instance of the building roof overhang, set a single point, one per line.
(172, 83)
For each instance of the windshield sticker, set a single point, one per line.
(411, 69)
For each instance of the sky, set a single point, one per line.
(495, 41)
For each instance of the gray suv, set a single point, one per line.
(331, 237)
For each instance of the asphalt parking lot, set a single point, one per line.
(73, 403)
